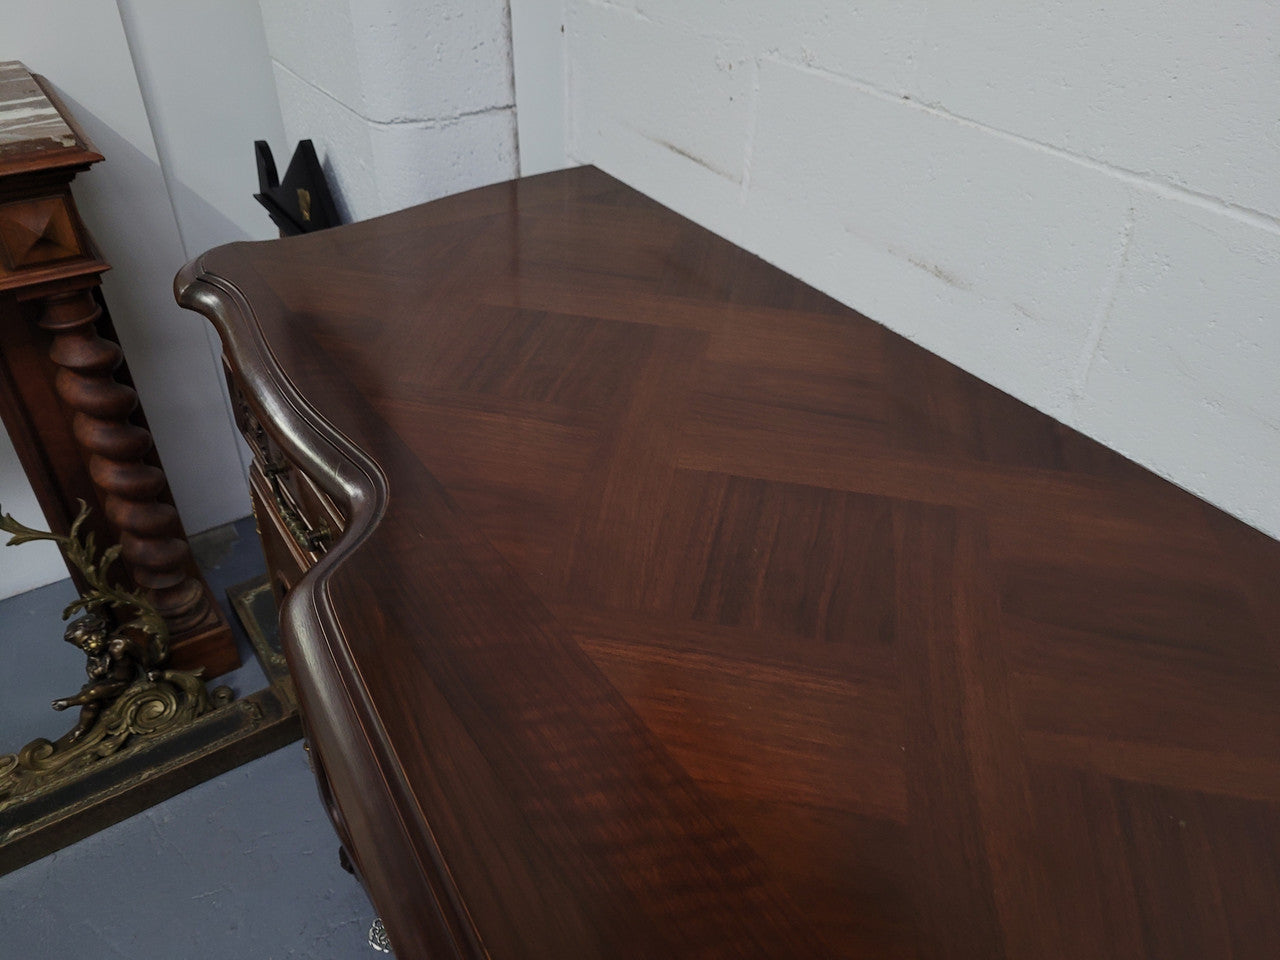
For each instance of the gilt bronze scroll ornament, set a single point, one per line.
(129, 695)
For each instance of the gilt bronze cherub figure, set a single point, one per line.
(116, 658)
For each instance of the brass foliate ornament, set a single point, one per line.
(129, 695)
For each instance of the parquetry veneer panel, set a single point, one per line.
(673, 609)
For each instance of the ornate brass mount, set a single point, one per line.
(129, 695)
(311, 539)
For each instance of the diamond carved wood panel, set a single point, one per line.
(37, 231)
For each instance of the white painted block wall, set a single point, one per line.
(406, 101)
(1079, 205)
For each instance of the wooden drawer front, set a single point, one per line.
(252, 431)
(306, 533)
(285, 563)
(317, 511)
(309, 519)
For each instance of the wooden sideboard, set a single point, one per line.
(644, 602)
(66, 397)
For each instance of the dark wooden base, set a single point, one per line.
(209, 645)
(141, 776)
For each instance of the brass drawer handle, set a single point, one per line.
(311, 539)
(275, 468)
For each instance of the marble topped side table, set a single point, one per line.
(66, 397)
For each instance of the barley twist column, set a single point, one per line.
(156, 558)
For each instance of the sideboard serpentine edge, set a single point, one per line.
(644, 602)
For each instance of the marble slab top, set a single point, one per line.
(33, 132)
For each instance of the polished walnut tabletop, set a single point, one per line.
(680, 611)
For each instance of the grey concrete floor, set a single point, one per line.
(243, 866)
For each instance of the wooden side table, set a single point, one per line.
(66, 396)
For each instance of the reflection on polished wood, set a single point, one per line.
(675, 610)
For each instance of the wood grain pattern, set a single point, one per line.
(681, 611)
(66, 397)
(152, 543)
